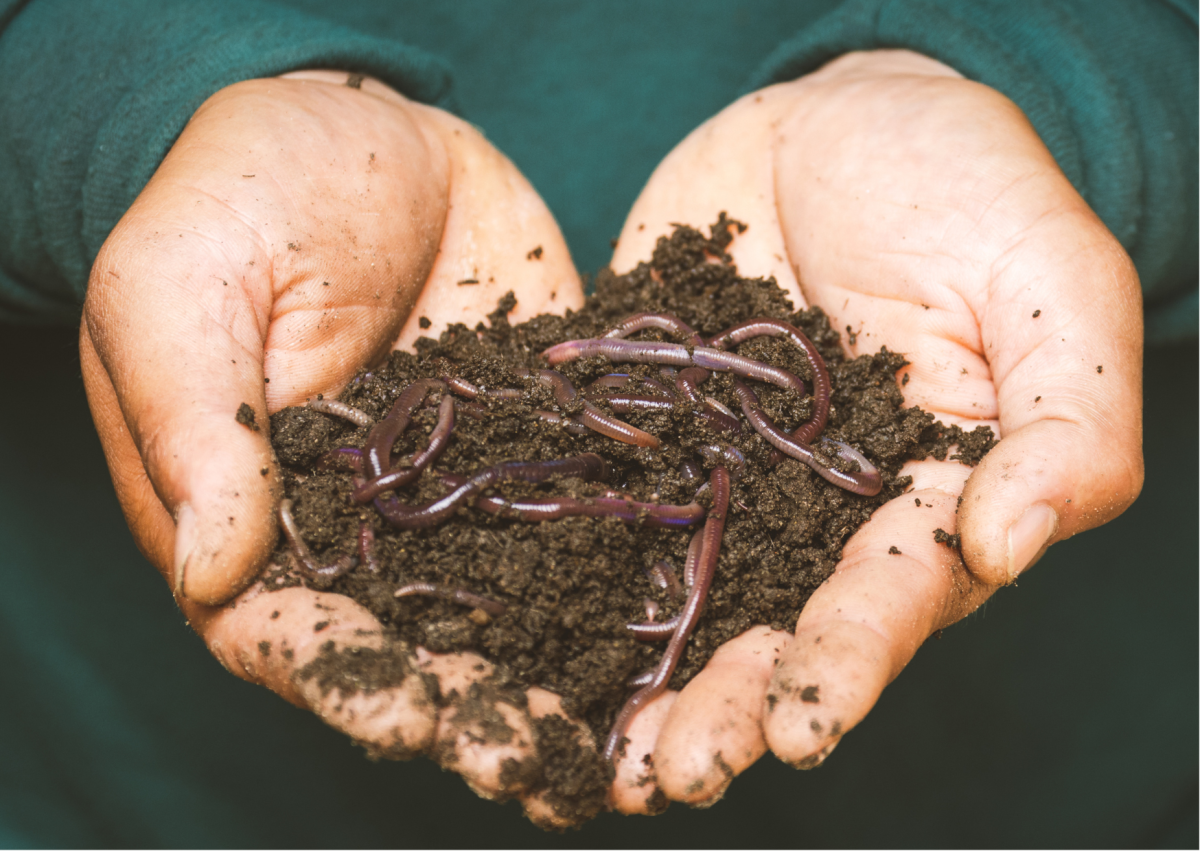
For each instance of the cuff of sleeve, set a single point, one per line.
(146, 122)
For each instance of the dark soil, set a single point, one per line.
(572, 585)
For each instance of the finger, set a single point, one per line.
(499, 236)
(181, 305)
(1069, 384)
(894, 587)
(295, 642)
(714, 731)
(576, 759)
(635, 787)
(484, 730)
(723, 165)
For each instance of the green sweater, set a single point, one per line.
(585, 98)
(117, 728)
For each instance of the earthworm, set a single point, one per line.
(624, 404)
(619, 351)
(620, 380)
(664, 577)
(689, 471)
(592, 417)
(719, 417)
(378, 449)
(438, 439)
(465, 388)
(340, 409)
(586, 466)
(706, 564)
(640, 680)
(303, 553)
(366, 547)
(554, 508)
(686, 381)
(663, 321)
(866, 481)
(673, 354)
(691, 559)
(821, 386)
(722, 453)
(571, 425)
(654, 631)
(454, 595)
(651, 608)
(346, 458)
(595, 419)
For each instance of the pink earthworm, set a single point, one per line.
(821, 383)
(454, 595)
(340, 409)
(587, 466)
(377, 452)
(710, 548)
(654, 631)
(303, 553)
(465, 388)
(866, 482)
(673, 354)
(662, 321)
(438, 439)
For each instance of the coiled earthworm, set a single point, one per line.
(821, 385)
(710, 548)
(438, 439)
(592, 417)
(587, 466)
(303, 553)
(377, 452)
(340, 409)
(866, 482)
(454, 595)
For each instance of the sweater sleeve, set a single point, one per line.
(95, 93)
(1110, 85)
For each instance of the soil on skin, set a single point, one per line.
(571, 585)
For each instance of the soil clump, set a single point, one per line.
(571, 585)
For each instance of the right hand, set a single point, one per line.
(294, 234)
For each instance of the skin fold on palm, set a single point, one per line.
(300, 226)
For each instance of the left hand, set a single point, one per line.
(922, 211)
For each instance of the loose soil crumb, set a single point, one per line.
(571, 585)
(245, 416)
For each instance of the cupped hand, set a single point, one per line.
(296, 232)
(922, 212)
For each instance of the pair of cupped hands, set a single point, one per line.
(300, 226)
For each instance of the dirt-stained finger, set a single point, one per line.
(714, 730)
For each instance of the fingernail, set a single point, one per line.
(1028, 535)
(185, 539)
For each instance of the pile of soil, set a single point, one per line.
(571, 585)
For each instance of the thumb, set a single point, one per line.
(1062, 330)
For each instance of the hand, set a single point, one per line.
(922, 211)
(295, 233)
